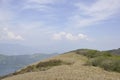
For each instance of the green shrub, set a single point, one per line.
(92, 54)
(103, 59)
(107, 63)
(87, 52)
(106, 54)
(96, 61)
(111, 64)
(47, 64)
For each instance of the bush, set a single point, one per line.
(107, 63)
(111, 64)
(106, 54)
(103, 59)
(92, 54)
(47, 64)
(87, 52)
(96, 61)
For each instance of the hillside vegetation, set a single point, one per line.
(103, 59)
(74, 65)
(115, 51)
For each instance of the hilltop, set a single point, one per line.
(73, 65)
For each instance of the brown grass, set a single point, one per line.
(75, 71)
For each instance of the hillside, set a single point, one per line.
(67, 66)
(9, 64)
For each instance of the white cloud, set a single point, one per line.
(5, 34)
(98, 11)
(58, 36)
(69, 36)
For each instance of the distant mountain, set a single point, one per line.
(9, 64)
(115, 51)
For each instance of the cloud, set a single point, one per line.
(69, 36)
(87, 15)
(5, 15)
(41, 1)
(5, 34)
(58, 36)
(39, 5)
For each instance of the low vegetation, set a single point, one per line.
(115, 51)
(103, 59)
(41, 66)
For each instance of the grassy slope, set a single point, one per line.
(76, 71)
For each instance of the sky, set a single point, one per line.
(61, 25)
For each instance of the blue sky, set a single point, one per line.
(61, 25)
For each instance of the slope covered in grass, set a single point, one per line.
(103, 59)
(69, 66)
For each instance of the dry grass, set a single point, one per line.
(42, 66)
(76, 71)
